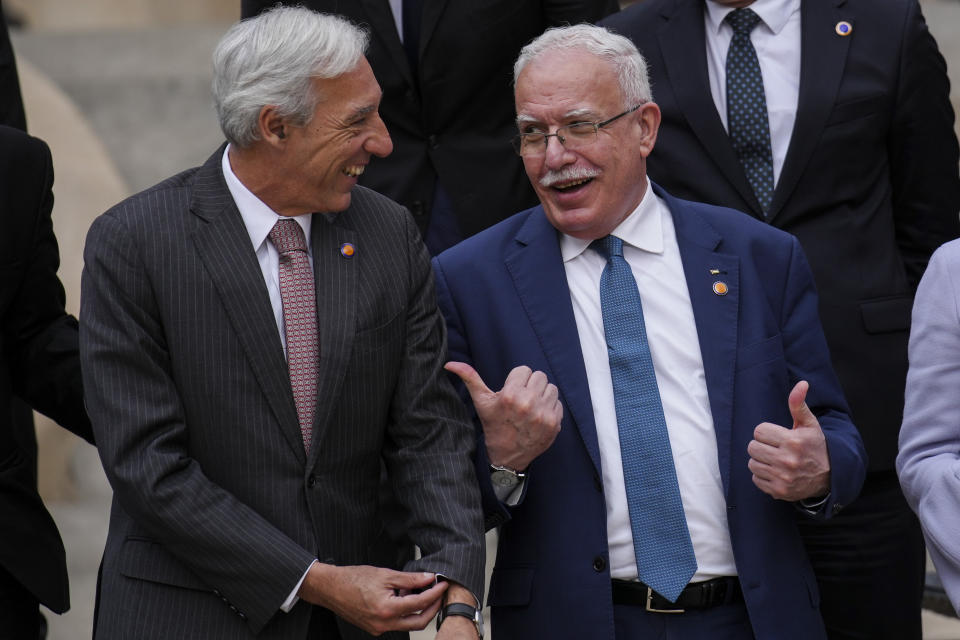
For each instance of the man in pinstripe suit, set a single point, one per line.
(233, 516)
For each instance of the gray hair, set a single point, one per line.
(272, 59)
(620, 52)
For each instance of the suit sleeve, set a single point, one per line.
(923, 150)
(808, 358)
(143, 439)
(42, 338)
(929, 463)
(430, 441)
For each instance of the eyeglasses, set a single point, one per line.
(572, 136)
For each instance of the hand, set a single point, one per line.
(521, 420)
(368, 597)
(791, 464)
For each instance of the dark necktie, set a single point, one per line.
(747, 123)
(661, 540)
(298, 294)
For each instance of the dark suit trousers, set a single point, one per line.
(869, 558)
(726, 622)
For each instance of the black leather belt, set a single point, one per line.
(696, 595)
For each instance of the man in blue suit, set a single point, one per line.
(707, 401)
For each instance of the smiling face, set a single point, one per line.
(323, 159)
(588, 192)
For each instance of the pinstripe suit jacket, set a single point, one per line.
(217, 510)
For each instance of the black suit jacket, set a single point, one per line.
(39, 362)
(454, 122)
(869, 184)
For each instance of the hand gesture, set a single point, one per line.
(371, 598)
(521, 420)
(791, 464)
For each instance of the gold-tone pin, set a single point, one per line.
(714, 272)
(844, 28)
(720, 288)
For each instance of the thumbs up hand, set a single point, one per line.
(521, 420)
(791, 464)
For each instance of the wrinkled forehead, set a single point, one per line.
(566, 82)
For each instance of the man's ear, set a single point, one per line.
(648, 119)
(272, 126)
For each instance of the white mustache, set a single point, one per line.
(567, 174)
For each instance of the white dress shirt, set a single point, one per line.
(259, 219)
(650, 247)
(777, 42)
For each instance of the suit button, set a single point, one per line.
(599, 564)
(416, 208)
(312, 481)
(432, 141)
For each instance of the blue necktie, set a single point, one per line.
(661, 540)
(747, 123)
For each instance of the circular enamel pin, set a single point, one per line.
(844, 28)
(347, 250)
(720, 288)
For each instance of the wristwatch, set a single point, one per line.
(465, 610)
(505, 477)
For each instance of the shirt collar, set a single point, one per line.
(258, 218)
(773, 13)
(642, 229)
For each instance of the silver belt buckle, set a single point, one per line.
(650, 608)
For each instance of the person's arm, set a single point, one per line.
(929, 460)
(40, 337)
(821, 454)
(923, 151)
(429, 441)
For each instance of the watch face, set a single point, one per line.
(504, 478)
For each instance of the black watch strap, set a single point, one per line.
(464, 610)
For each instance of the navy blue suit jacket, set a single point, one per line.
(505, 297)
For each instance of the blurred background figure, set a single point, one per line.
(446, 69)
(39, 362)
(930, 437)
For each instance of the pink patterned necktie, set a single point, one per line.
(298, 293)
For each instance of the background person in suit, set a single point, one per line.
(246, 382)
(929, 439)
(855, 154)
(444, 68)
(717, 351)
(40, 363)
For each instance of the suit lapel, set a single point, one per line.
(224, 247)
(823, 54)
(536, 266)
(716, 316)
(383, 26)
(686, 67)
(336, 282)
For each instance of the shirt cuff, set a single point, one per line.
(293, 598)
(813, 506)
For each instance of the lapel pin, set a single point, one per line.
(844, 28)
(347, 250)
(720, 288)
(714, 272)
